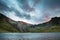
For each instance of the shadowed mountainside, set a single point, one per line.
(51, 26)
(52, 22)
(9, 25)
(5, 26)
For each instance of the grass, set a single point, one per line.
(43, 29)
(6, 27)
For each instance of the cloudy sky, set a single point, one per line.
(30, 11)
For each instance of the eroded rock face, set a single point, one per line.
(20, 25)
(23, 26)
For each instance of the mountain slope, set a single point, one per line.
(9, 25)
(5, 26)
(53, 21)
(52, 26)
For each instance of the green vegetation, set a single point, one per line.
(6, 27)
(43, 29)
(51, 26)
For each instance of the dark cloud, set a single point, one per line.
(52, 3)
(31, 11)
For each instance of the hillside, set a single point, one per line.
(5, 26)
(52, 26)
(9, 25)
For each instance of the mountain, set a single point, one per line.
(9, 25)
(53, 21)
(51, 26)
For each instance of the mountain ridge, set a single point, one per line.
(9, 25)
(19, 25)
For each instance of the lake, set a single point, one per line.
(29, 36)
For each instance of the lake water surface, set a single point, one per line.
(29, 36)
